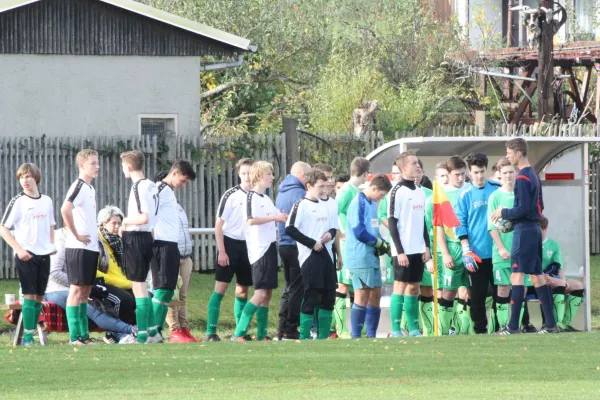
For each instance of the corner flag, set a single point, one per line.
(443, 214)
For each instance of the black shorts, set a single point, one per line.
(264, 271)
(165, 265)
(81, 266)
(238, 263)
(526, 252)
(137, 255)
(411, 274)
(318, 271)
(33, 274)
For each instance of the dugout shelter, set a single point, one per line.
(563, 166)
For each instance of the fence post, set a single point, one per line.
(290, 127)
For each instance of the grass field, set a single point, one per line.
(482, 367)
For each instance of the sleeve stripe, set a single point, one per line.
(161, 187)
(136, 195)
(76, 191)
(392, 200)
(223, 201)
(249, 205)
(9, 208)
(294, 213)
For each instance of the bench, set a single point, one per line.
(43, 327)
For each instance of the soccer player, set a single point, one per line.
(526, 252)
(339, 182)
(383, 219)
(136, 230)
(261, 235)
(165, 263)
(31, 214)
(310, 224)
(452, 275)
(290, 191)
(364, 245)
(504, 197)
(232, 256)
(81, 246)
(475, 239)
(567, 294)
(410, 241)
(359, 170)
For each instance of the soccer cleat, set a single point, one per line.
(27, 343)
(178, 336)
(155, 339)
(239, 339)
(545, 330)
(397, 334)
(279, 335)
(267, 339)
(76, 343)
(333, 335)
(187, 333)
(507, 331)
(415, 333)
(213, 338)
(248, 338)
(568, 328)
(128, 339)
(529, 328)
(405, 332)
(345, 335)
(451, 331)
(291, 336)
(87, 341)
(110, 338)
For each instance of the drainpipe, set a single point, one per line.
(226, 65)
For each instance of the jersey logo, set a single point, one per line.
(515, 266)
(549, 253)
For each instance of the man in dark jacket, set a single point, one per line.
(291, 190)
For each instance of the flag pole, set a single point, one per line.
(435, 271)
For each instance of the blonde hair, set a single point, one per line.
(84, 154)
(258, 170)
(31, 169)
(135, 159)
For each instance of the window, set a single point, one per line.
(157, 124)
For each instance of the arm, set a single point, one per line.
(264, 220)
(395, 234)
(383, 211)
(12, 242)
(140, 219)
(343, 202)
(292, 230)
(57, 265)
(523, 205)
(462, 213)
(222, 258)
(425, 235)
(67, 213)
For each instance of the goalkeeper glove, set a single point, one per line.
(382, 247)
(470, 259)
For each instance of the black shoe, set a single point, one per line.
(279, 335)
(110, 338)
(568, 328)
(529, 328)
(213, 338)
(507, 331)
(291, 336)
(545, 330)
(248, 338)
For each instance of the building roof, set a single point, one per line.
(193, 27)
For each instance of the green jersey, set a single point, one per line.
(428, 192)
(452, 195)
(506, 200)
(347, 193)
(551, 254)
(383, 208)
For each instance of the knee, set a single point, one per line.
(240, 291)
(221, 287)
(503, 291)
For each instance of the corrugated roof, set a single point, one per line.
(158, 15)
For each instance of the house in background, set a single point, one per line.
(85, 68)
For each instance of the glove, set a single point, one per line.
(470, 259)
(382, 247)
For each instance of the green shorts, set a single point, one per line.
(343, 276)
(427, 278)
(452, 279)
(527, 281)
(502, 273)
(389, 270)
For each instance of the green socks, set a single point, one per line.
(573, 302)
(403, 322)
(426, 313)
(29, 322)
(262, 322)
(558, 307)
(83, 322)
(462, 318)
(142, 314)
(340, 313)
(306, 321)
(214, 310)
(446, 312)
(241, 329)
(324, 321)
(160, 308)
(238, 307)
(411, 308)
(502, 311)
(72, 321)
(396, 305)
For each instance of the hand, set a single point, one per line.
(504, 253)
(470, 259)
(426, 256)
(496, 215)
(223, 259)
(448, 260)
(429, 265)
(402, 260)
(281, 217)
(340, 263)
(549, 280)
(340, 234)
(318, 246)
(24, 255)
(382, 248)
(83, 239)
(326, 237)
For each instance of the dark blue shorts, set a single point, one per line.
(526, 253)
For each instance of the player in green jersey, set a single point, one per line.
(383, 219)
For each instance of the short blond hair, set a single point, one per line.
(31, 169)
(84, 154)
(135, 159)
(258, 170)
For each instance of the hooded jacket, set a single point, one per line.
(290, 191)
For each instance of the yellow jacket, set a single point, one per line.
(114, 276)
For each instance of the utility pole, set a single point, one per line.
(545, 62)
(509, 24)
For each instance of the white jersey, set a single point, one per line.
(83, 197)
(334, 222)
(32, 219)
(231, 210)
(143, 198)
(167, 224)
(259, 237)
(312, 218)
(407, 205)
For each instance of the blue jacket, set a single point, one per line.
(290, 191)
(471, 211)
(362, 234)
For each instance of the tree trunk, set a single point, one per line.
(546, 65)
(363, 117)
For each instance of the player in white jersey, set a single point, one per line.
(261, 239)
(310, 225)
(81, 246)
(233, 253)
(165, 263)
(31, 215)
(136, 229)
